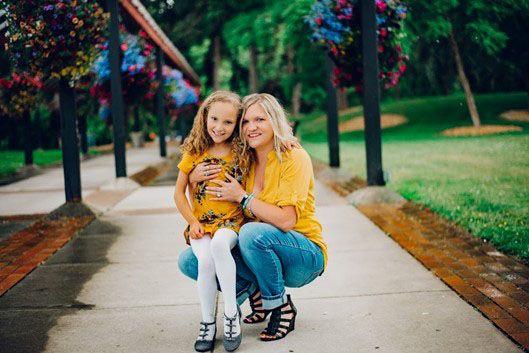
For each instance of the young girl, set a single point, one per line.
(213, 225)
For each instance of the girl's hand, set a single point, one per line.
(196, 230)
(226, 191)
(291, 144)
(204, 171)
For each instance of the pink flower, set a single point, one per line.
(402, 68)
(399, 48)
(381, 5)
(318, 21)
(124, 47)
(334, 51)
(380, 49)
(132, 68)
(383, 32)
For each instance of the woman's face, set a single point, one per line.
(257, 127)
(221, 121)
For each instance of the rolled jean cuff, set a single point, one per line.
(270, 303)
(244, 293)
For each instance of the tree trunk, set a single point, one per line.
(38, 128)
(464, 82)
(342, 99)
(296, 89)
(296, 98)
(136, 127)
(216, 62)
(526, 79)
(253, 69)
(28, 144)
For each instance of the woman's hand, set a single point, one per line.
(226, 191)
(196, 230)
(291, 144)
(204, 171)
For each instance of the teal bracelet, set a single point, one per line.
(245, 202)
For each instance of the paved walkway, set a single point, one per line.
(115, 287)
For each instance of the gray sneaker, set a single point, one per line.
(206, 337)
(232, 342)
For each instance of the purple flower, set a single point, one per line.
(61, 37)
(69, 15)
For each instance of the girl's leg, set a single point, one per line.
(246, 281)
(224, 240)
(206, 282)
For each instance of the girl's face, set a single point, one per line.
(257, 127)
(221, 121)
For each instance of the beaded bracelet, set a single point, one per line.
(249, 209)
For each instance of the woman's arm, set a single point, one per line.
(284, 218)
(196, 230)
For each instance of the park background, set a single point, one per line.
(477, 177)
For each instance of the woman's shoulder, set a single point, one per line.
(296, 155)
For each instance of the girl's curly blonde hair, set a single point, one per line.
(199, 140)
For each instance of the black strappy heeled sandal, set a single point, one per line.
(276, 327)
(258, 313)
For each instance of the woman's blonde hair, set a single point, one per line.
(278, 117)
(199, 140)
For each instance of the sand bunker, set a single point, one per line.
(478, 131)
(516, 115)
(386, 120)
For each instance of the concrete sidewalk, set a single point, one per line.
(116, 287)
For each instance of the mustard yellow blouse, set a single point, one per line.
(290, 182)
(214, 214)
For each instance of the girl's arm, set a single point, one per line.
(196, 230)
(284, 218)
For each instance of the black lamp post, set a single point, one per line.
(118, 119)
(372, 129)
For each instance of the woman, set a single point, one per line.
(281, 245)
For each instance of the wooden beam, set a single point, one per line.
(142, 17)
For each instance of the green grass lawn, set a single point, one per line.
(10, 161)
(481, 182)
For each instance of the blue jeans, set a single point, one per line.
(267, 258)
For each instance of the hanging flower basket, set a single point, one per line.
(57, 38)
(336, 25)
(177, 90)
(137, 72)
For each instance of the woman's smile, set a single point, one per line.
(257, 127)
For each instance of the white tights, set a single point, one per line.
(214, 257)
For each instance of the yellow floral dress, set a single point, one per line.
(214, 214)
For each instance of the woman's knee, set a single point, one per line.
(187, 263)
(255, 234)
